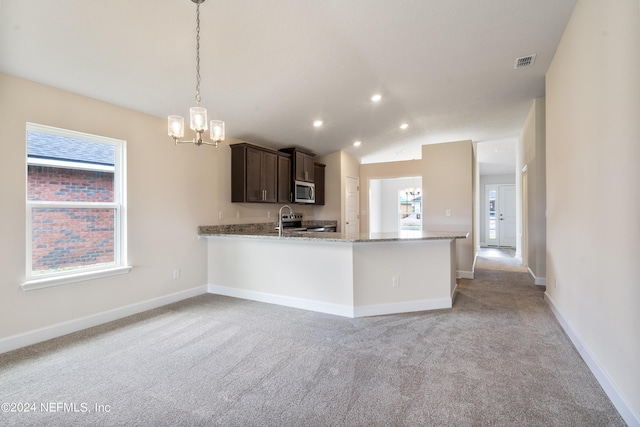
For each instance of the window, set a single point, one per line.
(75, 206)
(410, 209)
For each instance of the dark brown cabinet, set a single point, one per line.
(285, 192)
(318, 171)
(254, 174)
(302, 166)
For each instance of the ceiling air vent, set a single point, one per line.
(525, 61)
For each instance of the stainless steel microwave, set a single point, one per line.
(304, 192)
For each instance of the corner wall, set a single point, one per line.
(447, 182)
(340, 165)
(382, 170)
(531, 151)
(593, 200)
(171, 190)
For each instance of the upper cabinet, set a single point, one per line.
(302, 164)
(255, 175)
(285, 191)
(261, 175)
(319, 181)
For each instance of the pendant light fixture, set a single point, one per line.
(197, 115)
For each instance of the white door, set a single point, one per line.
(507, 215)
(500, 213)
(352, 223)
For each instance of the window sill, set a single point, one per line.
(48, 282)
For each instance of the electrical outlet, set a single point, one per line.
(447, 212)
(268, 214)
(395, 282)
(555, 284)
(238, 215)
(220, 215)
(176, 274)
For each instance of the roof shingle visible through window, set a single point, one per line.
(54, 147)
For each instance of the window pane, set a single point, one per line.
(69, 185)
(410, 209)
(64, 239)
(56, 147)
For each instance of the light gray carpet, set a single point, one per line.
(497, 358)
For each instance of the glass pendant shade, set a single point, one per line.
(197, 115)
(217, 130)
(198, 118)
(176, 126)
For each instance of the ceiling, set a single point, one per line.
(270, 68)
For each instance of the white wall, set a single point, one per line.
(447, 182)
(447, 172)
(593, 199)
(340, 165)
(531, 154)
(171, 190)
(375, 205)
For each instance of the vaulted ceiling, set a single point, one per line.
(270, 68)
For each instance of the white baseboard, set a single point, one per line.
(541, 281)
(627, 412)
(473, 266)
(306, 304)
(330, 308)
(402, 307)
(54, 331)
(460, 274)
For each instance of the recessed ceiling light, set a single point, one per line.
(404, 125)
(377, 97)
(357, 143)
(317, 123)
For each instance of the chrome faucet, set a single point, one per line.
(280, 218)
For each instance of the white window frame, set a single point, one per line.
(119, 266)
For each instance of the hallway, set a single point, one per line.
(494, 258)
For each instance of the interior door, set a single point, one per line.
(507, 215)
(352, 223)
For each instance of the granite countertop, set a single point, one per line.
(266, 231)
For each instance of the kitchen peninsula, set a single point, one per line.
(335, 273)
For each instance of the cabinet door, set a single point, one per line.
(269, 177)
(303, 167)
(319, 181)
(284, 180)
(299, 166)
(309, 168)
(255, 189)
